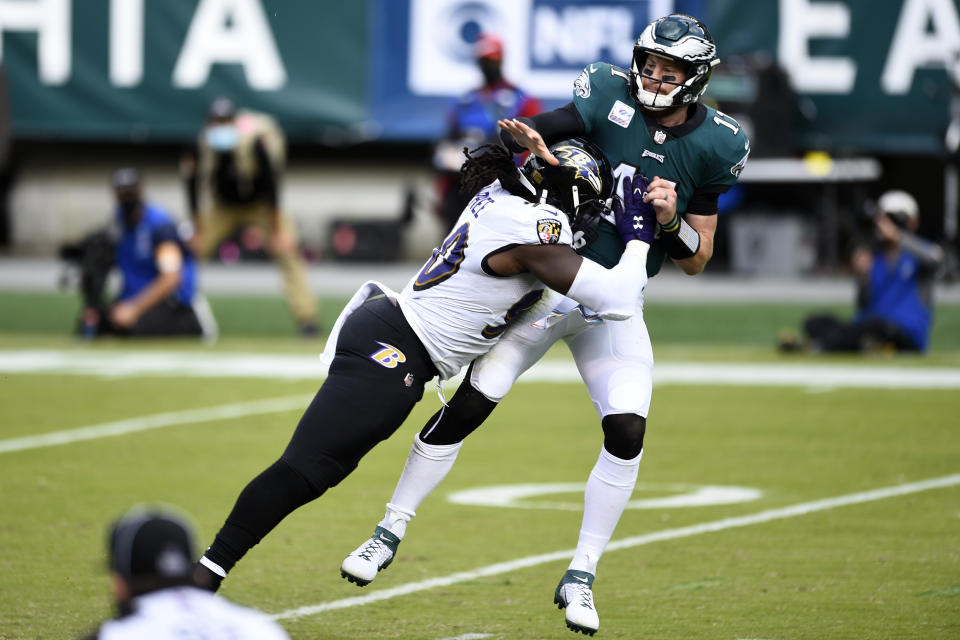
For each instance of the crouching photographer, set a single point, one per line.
(895, 275)
(159, 294)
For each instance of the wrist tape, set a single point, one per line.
(681, 240)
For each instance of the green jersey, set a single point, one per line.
(703, 156)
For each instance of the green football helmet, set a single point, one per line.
(681, 38)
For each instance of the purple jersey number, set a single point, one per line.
(445, 260)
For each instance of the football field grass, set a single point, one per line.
(848, 524)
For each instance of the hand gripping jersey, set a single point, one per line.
(455, 304)
(705, 154)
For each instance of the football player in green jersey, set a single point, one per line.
(647, 120)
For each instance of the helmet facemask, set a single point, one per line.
(580, 186)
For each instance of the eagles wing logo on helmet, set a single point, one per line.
(585, 164)
(682, 39)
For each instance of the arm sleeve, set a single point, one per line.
(558, 124)
(705, 200)
(613, 293)
(928, 254)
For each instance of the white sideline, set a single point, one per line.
(635, 541)
(292, 367)
(155, 421)
(308, 367)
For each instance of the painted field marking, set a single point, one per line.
(471, 636)
(769, 515)
(307, 367)
(156, 421)
(513, 496)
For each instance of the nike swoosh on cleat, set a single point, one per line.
(579, 578)
(384, 538)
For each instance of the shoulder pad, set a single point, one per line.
(729, 141)
(600, 77)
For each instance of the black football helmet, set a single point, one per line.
(681, 38)
(580, 185)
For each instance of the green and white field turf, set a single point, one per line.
(852, 529)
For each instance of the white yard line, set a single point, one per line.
(803, 508)
(300, 367)
(296, 367)
(156, 421)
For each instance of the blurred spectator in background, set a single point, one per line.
(232, 177)
(151, 560)
(895, 275)
(159, 293)
(472, 121)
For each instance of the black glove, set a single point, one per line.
(635, 218)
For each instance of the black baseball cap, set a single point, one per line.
(222, 108)
(153, 544)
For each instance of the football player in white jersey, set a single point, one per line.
(693, 154)
(511, 242)
(151, 562)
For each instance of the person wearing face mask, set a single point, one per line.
(232, 181)
(159, 294)
(472, 121)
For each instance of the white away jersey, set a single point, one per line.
(188, 612)
(456, 306)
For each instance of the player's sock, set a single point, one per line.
(262, 504)
(609, 488)
(207, 574)
(395, 520)
(427, 465)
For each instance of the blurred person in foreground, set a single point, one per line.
(650, 123)
(159, 294)
(895, 275)
(232, 178)
(151, 558)
(511, 243)
(472, 121)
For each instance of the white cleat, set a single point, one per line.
(575, 594)
(373, 556)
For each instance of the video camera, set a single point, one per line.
(94, 256)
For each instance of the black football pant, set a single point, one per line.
(828, 333)
(166, 318)
(375, 379)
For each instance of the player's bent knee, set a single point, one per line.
(492, 380)
(623, 434)
(466, 411)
